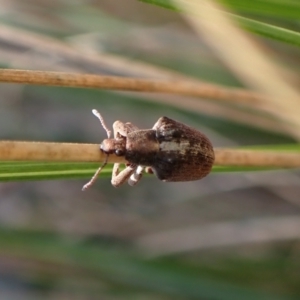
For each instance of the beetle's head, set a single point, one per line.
(114, 146)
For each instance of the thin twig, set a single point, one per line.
(256, 158)
(234, 95)
(42, 151)
(21, 47)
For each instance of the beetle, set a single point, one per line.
(171, 150)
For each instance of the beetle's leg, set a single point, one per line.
(136, 176)
(115, 170)
(122, 129)
(119, 178)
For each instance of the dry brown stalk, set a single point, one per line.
(42, 151)
(233, 95)
(256, 158)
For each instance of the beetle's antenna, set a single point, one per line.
(97, 114)
(94, 178)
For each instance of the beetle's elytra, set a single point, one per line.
(171, 150)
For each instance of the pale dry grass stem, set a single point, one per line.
(246, 59)
(187, 88)
(72, 152)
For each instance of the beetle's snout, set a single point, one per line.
(110, 146)
(107, 146)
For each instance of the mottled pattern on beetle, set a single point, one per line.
(174, 151)
(185, 153)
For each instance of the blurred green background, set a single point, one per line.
(228, 236)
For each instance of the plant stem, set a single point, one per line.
(66, 152)
(257, 158)
(43, 151)
(188, 88)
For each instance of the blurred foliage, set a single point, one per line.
(59, 243)
(119, 270)
(262, 10)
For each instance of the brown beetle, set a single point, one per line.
(171, 150)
